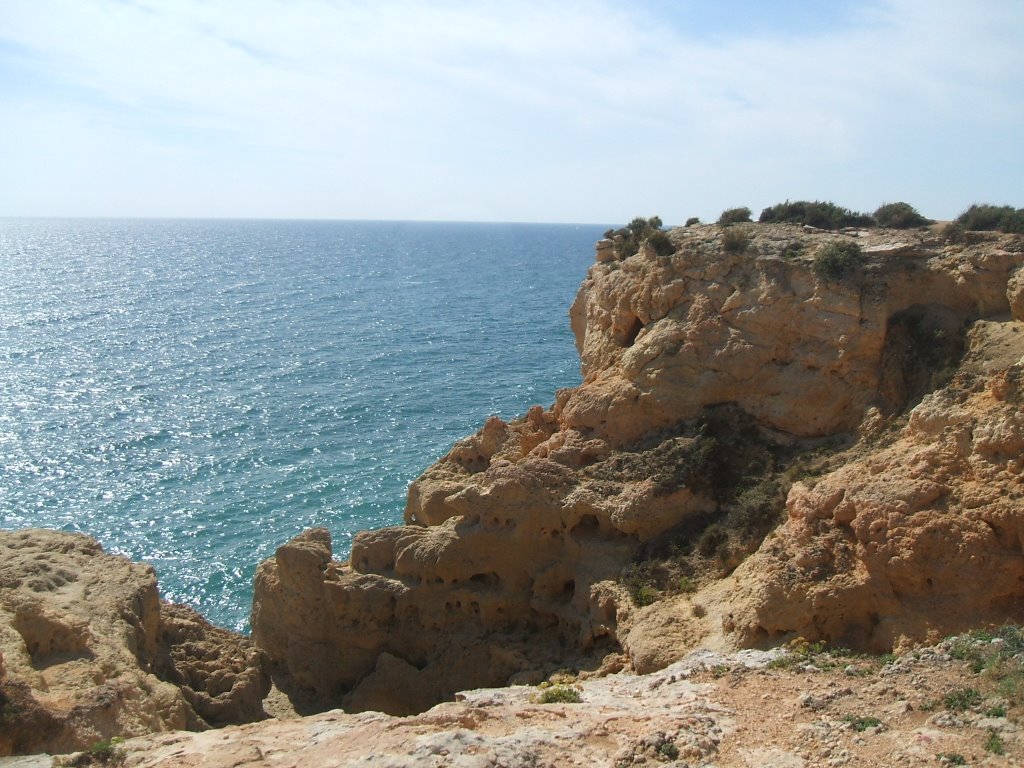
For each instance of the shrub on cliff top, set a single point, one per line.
(899, 216)
(834, 260)
(735, 240)
(992, 217)
(734, 216)
(640, 230)
(823, 215)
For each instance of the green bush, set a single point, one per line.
(861, 724)
(639, 231)
(735, 240)
(560, 694)
(692, 221)
(758, 508)
(962, 698)
(639, 581)
(899, 216)
(994, 744)
(984, 217)
(668, 750)
(1001, 664)
(1013, 222)
(713, 541)
(734, 216)
(955, 234)
(106, 752)
(792, 249)
(834, 260)
(823, 215)
(661, 243)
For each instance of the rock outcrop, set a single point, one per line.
(89, 652)
(704, 373)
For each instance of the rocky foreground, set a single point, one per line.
(764, 452)
(800, 708)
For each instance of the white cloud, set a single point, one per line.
(581, 111)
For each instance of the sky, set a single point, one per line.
(588, 111)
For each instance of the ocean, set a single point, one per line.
(193, 393)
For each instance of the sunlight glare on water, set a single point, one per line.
(195, 393)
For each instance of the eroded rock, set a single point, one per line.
(87, 655)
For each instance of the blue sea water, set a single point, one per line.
(194, 393)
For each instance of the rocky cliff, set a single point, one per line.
(877, 405)
(761, 450)
(88, 652)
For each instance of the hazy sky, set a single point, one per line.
(506, 111)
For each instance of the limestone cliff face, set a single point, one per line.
(513, 542)
(917, 538)
(86, 654)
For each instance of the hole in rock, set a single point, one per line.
(487, 579)
(632, 332)
(587, 527)
(923, 347)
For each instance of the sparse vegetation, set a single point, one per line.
(836, 259)
(734, 216)
(692, 221)
(960, 699)
(722, 456)
(757, 509)
(639, 581)
(713, 541)
(984, 217)
(861, 724)
(994, 744)
(800, 651)
(792, 249)
(666, 749)
(823, 215)
(735, 240)
(558, 694)
(998, 656)
(104, 752)
(899, 216)
(951, 758)
(630, 238)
